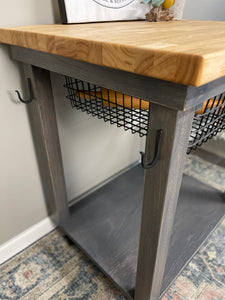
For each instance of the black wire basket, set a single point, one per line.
(208, 121)
(117, 108)
(133, 113)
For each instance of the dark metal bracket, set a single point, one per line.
(30, 90)
(157, 152)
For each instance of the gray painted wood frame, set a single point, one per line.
(161, 190)
(177, 96)
(106, 225)
(42, 118)
(172, 110)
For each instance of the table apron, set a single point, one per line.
(173, 95)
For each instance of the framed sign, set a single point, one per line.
(82, 11)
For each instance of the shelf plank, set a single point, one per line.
(187, 52)
(106, 226)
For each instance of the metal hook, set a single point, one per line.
(157, 152)
(30, 90)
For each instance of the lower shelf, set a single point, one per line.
(106, 226)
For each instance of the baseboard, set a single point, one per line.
(24, 239)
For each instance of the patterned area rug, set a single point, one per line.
(53, 268)
(204, 277)
(205, 172)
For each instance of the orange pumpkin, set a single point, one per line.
(125, 100)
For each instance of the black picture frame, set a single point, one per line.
(62, 10)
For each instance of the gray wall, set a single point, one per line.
(204, 10)
(92, 150)
(21, 198)
(84, 139)
(22, 202)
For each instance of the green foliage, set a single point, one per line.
(155, 3)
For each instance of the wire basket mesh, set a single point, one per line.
(133, 113)
(117, 108)
(208, 121)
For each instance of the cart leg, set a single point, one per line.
(161, 189)
(42, 117)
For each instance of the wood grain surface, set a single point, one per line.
(186, 52)
(160, 194)
(106, 225)
(42, 118)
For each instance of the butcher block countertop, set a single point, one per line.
(186, 52)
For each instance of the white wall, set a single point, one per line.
(21, 198)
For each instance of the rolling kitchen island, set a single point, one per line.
(143, 226)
